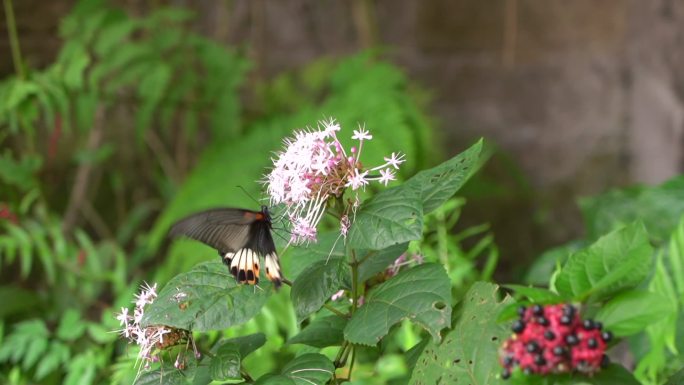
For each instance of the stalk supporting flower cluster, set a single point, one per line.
(314, 167)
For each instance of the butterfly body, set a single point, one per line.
(241, 237)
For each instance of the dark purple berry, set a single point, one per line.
(506, 374)
(518, 326)
(549, 335)
(539, 360)
(605, 361)
(571, 339)
(569, 310)
(537, 310)
(606, 336)
(532, 346)
(565, 320)
(558, 351)
(599, 325)
(543, 321)
(508, 361)
(592, 343)
(521, 311)
(527, 371)
(588, 324)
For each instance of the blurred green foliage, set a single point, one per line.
(138, 122)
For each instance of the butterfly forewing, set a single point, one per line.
(240, 236)
(226, 230)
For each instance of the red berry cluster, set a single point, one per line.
(554, 339)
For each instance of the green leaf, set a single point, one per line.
(72, 325)
(57, 354)
(210, 299)
(316, 284)
(614, 374)
(440, 183)
(535, 294)
(322, 332)
(375, 262)
(307, 369)
(167, 375)
(81, 369)
(34, 351)
(618, 261)
(631, 312)
(469, 353)
(225, 365)
(247, 344)
(676, 379)
(75, 66)
(391, 217)
(659, 207)
(328, 246)
(422, 294)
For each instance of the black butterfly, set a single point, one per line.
(240, 236)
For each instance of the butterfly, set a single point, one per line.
(240, 236)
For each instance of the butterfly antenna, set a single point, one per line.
(248, 194)
(280, 236)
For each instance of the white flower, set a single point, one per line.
(395, 160)
(358, 180)
(153, 338)
(123, 316)
(362, 134)
(386, 176)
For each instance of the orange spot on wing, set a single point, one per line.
(259, 216)
(250, 215)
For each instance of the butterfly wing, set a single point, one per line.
(240, 236)
(225, 229)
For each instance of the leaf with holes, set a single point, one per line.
(469, 353)
(618, 261)
(440, 183)
(322, 332)
(316, 284)
(206, 298)
(307, 369)
(421, 294)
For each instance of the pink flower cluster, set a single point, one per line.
(315, 167)
(404, 260)
(150, 339)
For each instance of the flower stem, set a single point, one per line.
(337, 312)
(355, 278)
(14, 39)
(338, 358)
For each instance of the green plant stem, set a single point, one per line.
(355, 278)
(14, 39)
(338, 358)
(351, 364)
(337, 312)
